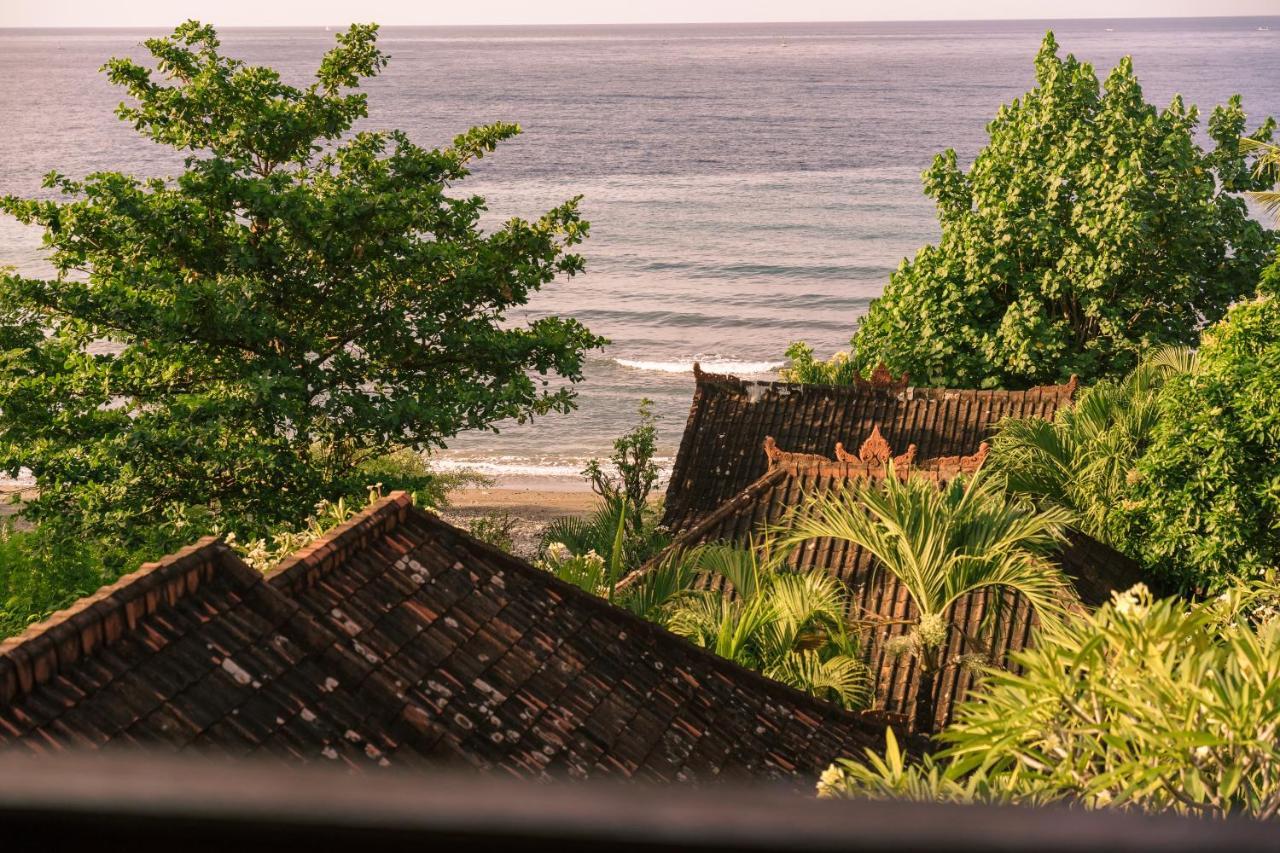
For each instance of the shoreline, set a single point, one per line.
(528, 505)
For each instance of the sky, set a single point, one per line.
(228, 13)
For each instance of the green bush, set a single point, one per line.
(40, 574)
(1084, 458)
(1144, 705)
(1205, 497)
(1091, 228)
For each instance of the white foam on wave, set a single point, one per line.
(516, 466)
(710, 365)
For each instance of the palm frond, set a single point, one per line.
(656, 590)
(841, 679)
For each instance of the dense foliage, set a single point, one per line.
(1205, 498)
(1083, 459)
(941, 544)
(747, 605)
(1092, 227)
(1145, 705)
(300, 301)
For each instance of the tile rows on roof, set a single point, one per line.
(399, 640)
(730, 417)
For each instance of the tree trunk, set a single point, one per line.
(926, 709)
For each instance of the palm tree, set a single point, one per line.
(1267, 167)
(941, 543)
(1082, 459)
(787, 625)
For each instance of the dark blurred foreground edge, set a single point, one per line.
(142, 803)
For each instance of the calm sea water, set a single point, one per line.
(747, 185)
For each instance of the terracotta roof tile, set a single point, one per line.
(719, 455)
(398, 639)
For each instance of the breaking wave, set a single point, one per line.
(711, 365)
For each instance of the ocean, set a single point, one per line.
(747, 185)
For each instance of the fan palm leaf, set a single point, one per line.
(941, 544)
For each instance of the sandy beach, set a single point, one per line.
(530, 505)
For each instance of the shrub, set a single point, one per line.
(496, 529)
(1205, 496)
(1144, 705)
(1091, 228)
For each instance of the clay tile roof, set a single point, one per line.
(397, 639)
(719, 455)
(535, 677)
(1095, 569)
(197, 652)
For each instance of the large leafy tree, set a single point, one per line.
(1090, 228)
(1204, 499)
(301, 299)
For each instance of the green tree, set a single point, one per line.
(1150, 706)
(300, 300)
(1091, 228)
(1205, 498)
(942, 544)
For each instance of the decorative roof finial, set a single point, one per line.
(875, 449)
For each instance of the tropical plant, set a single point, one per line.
(625, 486)
(582, 563)
(941, 543)
(301, 299)
(1082, 459)
(1145, 705)
(1204, 499)
(634, 472)
(598, 532)
(1092, 227)
(789, 626)
(1267, 170)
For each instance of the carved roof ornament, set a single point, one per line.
(778, 456)
(965, 464)
(876, 451)
(875, 448)
(881, 380)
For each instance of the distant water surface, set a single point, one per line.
(747, 185)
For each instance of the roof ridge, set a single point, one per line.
(1065, 391)
(726, 509)
(305, 567)
(639, 623)
(100, 619)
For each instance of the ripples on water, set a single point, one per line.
(747, 185)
